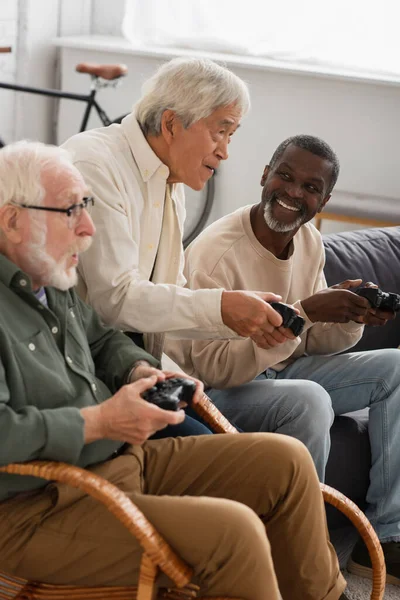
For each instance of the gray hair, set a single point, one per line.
(193, 88)
(21, 167)
(314, 145)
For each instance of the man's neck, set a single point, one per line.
(160, 149)
(276, 243)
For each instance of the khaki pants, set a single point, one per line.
(203, 494)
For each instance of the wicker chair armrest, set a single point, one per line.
(211, 415)
(366, 531)
(156, 548)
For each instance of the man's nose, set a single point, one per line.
(222, 150)
(85, 225)
(293, 189)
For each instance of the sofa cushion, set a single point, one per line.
(372, 255)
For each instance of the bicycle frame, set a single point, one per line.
(88, 98)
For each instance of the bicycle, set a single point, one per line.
(110, 75)
(101, 75)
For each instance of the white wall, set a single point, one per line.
(36, 62)
(30, 27)
(8, 65)
(107, 16)
(360, 120)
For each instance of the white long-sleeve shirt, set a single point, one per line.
(133, 273)
(227, 254)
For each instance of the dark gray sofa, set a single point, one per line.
(373, 255)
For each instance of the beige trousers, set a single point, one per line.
(245, 511)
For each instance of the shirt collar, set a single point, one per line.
(12, 276)
(145, 158)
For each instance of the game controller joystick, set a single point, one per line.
(169, 393)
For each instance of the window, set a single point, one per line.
(351, 34)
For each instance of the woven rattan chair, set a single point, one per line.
(157, 553)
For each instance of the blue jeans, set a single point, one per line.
(192, 425)
(302, 400)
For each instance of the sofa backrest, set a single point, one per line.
(372, 255)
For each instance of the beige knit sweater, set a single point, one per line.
(228, 255)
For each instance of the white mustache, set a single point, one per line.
(81, 246)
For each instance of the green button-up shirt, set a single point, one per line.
(53, 361)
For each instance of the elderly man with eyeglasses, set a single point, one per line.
(70, 390)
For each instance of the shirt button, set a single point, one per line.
(94, 387)
(31, 347)
(150, 246)
(72, 314)
(164, 171)
(54, 330)
(156, 205)
(69, 360)
(22, 282)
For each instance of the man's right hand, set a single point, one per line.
(250, 315)
(127, 417)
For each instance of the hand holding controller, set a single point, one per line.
(290, 319)
(169, 393)
(379, 299)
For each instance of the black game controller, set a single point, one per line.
(290, 318)
(379, 299)
(167, 394)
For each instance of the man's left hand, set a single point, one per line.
(376, 317)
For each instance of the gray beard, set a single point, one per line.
(278, 227)
(43, 266)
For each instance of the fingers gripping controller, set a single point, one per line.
(169, 393)
(379, 299)
(290, 319)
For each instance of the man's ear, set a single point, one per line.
(10, 223)
(324, 201)
(264, 176)
(169, 122)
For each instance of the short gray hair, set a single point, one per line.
(21, 167)
(314, 145)
(193, 88)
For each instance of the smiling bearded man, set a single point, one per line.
(297, 387)
(291, 202)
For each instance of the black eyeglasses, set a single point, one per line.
(74, 211)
